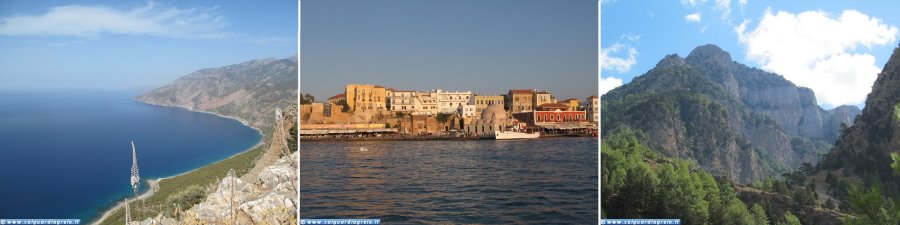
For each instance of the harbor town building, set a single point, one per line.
(366, 97)
(519, 101)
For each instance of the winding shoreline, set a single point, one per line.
(154, 183)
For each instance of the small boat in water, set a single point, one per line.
(504, 135)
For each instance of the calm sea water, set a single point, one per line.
(68, 154)
(546, 181)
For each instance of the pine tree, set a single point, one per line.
(759, 215)
(790, 219)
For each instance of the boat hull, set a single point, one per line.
(505, 135)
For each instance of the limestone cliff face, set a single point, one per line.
(732, 119)
(793, 108)
(249, 91)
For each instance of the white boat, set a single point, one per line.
(503, 135)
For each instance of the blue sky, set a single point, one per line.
(835, 48)
(487, 47)
(135, 45)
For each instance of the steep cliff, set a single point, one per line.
(249, 91)
(733, 120)
(793, 108)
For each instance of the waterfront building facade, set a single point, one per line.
(426, 103)
(574, 104)
(483, 101)
(466, 111)
(403, 101)
(593, 109)
(554, 118)
(542, 97)
(418, 125)
(449, 102)
(366, 97)
(519, 101)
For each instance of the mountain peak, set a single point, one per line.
(670, 60)
(710, 52)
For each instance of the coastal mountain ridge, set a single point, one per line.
(249, 91)
(262, 189)
(732, 119)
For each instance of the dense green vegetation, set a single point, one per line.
(293, 139)
(344, 106)
(187, 189)
(640, 183)
(307, 99)
(870, 207)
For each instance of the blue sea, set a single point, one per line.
(67, 154)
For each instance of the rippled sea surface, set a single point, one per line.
(67, 154)
(547, 181)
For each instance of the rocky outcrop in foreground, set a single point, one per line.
(270, 198)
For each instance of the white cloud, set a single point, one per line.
(693, 17)
(724, 6)
(619, 64)
(609, 83)
(692, 3)
(91, 21)
(630, 37)
(819, 51)
(742, 3)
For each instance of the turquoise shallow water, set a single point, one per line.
(68, 154)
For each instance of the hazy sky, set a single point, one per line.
(487, 47)
(135, 45)
(836, 48)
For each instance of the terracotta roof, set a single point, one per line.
(337, 96)
(592, 96)
(554, 105)
(521, 91)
